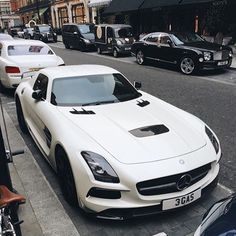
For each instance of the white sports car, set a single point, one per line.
(118, 151)
(19, 56)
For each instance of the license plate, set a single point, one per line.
(127, 49)
(181, 201)
(34, 69)
(222, 63)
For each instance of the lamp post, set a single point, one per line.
(37, 7)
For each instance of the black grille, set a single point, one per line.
(169, 184)
(225, 55)
(104, 193)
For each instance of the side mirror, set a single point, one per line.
(37, 95)
(137, 85)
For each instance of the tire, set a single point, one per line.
(115, 53)
(15, 219)
(67, 46)
(140, 58)
(99, 50)
(20, 117)
(66, 178)
(187, 65)
(2, 88)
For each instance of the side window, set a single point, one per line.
(164, 40)
(152, 39)
(41, 83)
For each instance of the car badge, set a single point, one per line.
(181, 162)
(184, 182)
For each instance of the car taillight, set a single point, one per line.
(12, 69)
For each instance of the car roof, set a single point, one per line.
(24, 42)
(114, 25)
(77, 70)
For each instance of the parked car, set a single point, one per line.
(188, 51)
(116, 39)
(44, 33)
(118, 151)
(80, 36)
(13, 31)
(29, 33)
(19, 56)
(219, 219)
(4, 36)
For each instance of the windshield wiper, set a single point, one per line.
(98, 103)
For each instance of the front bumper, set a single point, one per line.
(216, 64)
(124, 49)
(132, 204)
(127, 213)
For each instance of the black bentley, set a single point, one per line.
(188, 51)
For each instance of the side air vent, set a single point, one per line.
(149, 131)
(83, 112)
(143, 103)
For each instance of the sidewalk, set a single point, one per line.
(43, 214)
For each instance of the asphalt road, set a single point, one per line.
(208, 95)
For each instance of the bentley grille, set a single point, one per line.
(221, 55)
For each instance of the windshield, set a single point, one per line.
(86, 29)
(124, 32)
(92, 90)
(45, 29)
(26, 50)
(182, 38)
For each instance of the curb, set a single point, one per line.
(49, 213)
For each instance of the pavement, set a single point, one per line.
(43, 214)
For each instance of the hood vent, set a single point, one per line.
(83, 112)
(149, 131)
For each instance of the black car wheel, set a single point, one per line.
(99, 50)
(187, 65)
(20, 116)
(115, 53)
(140, 58)
(66, 178)
(67, 46)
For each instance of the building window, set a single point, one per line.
(63, 16)
(78, 15)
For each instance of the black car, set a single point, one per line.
(188, 51)
(220, 219)
(44, 33)
(115, 38)
(79, 36)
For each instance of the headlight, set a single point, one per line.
(119, 43)
(230, 54)
(101, 169)
(207, 56)
(86, 40)
(213, 139)
(54, 34)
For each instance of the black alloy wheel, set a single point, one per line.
(140, 58)
(66, 178)
(20, 117)
(187, 65)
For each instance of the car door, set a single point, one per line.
(109, 38)
(166, 50)
(37, 113)
(36, 33)
(150, 46)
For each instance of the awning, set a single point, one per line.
(42, 10)
(98, 3)
(123, 6)
(159, 3)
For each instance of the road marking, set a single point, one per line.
(225, 188)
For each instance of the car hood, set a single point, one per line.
(27, 63)
(204, 46)
(111, 124)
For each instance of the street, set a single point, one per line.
(209, 95)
